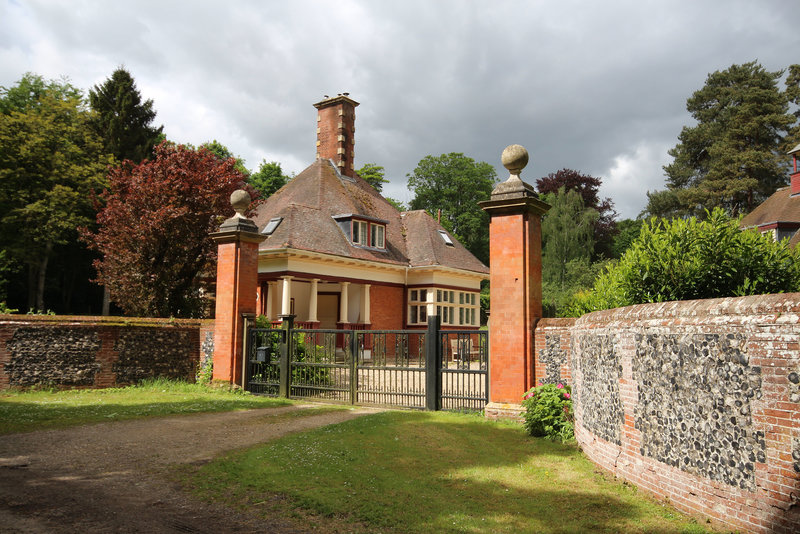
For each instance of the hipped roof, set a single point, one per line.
(310, 200)
(780, 207)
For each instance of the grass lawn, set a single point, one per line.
(430, 472)
(25, 411)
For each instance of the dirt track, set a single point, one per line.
(109, 477)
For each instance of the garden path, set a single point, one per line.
(113, 477)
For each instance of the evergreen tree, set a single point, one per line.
(123, 120)
(732, 157)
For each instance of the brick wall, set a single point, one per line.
(697, 402)
(386, 305)
(552, 339)
(99, 352)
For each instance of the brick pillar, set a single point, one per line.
(237, 281)
(515, 252)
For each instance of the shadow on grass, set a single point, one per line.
(426, 472)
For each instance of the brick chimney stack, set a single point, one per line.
(336, 118)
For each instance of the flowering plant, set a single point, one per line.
(548, 411)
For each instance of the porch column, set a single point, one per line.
(237, 279)
(343, 303)
(515, 252)
(286, 301)
(312, 301)
(270, 298)
(365, 304)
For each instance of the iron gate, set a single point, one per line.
(377, 367)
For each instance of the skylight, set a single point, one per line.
(271, 225)
(446, 238)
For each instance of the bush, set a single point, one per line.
(548, 412)
(685, 259)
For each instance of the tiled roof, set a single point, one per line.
(780, 207)
(310, 200)
(427, 247)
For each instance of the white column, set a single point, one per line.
(286, 306)
(269, 298)
(365, 304)
(343, 303)
(431, 302)
(312, 301)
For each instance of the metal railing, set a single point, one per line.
(427, 369)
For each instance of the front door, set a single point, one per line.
(328, 310)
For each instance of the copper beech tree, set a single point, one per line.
(153, 232)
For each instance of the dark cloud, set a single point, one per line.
(597, 88)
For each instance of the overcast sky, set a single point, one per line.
(599, 87)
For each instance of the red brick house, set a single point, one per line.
(780, 213)
(338, 255)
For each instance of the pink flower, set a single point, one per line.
(528, 395)
(560, 386)
(566, 395)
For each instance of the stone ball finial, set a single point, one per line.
(240, 200)
(514, 158)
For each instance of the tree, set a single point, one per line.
(604, 226)
(628, 231)
(374, 175)
(567, 244)
(793, 95)
(222, 152)
(690, 258)
(122, 119)
(731, 158)
(455, 184)
(154, 229)
(268, 178)
(51, 165)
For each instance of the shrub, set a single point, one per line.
(685, 259)
(548, 412)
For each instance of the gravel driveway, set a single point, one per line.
(110, 477)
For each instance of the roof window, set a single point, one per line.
(446, 238)
(271, 225)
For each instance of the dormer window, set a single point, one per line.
(363, 230)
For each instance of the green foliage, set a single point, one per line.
(223, 153)
(687, 259)
(627, 232)
(732, 157)
(455, 184)
(568, 230)
(52, 165)
(268, 178)
(122, 119)
(548, 412)
(374, 175)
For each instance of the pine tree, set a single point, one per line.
(732, 158)
(123, 120)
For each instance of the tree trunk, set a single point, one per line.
(42, 275)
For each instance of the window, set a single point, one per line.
(369, 234)
(417, 306)
(446, 238)
(454, 308)
(360, 233)
(271, 225)
(377, 239)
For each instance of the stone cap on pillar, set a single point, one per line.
(514, 195)
(238, 227)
